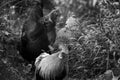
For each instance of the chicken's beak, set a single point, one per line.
(51, 48)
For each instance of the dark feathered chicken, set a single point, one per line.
(50, 22)
(38, 33)
(34, 37)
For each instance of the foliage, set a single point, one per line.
(96, 43)
(91, 32)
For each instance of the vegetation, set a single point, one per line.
(91, 31)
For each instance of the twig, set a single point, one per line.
(1, 50)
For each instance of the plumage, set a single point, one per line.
(34, 37)
(37, 33)
(50, 23)
(52, 67)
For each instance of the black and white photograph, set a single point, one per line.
(59, 39)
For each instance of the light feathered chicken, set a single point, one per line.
(52, 67)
